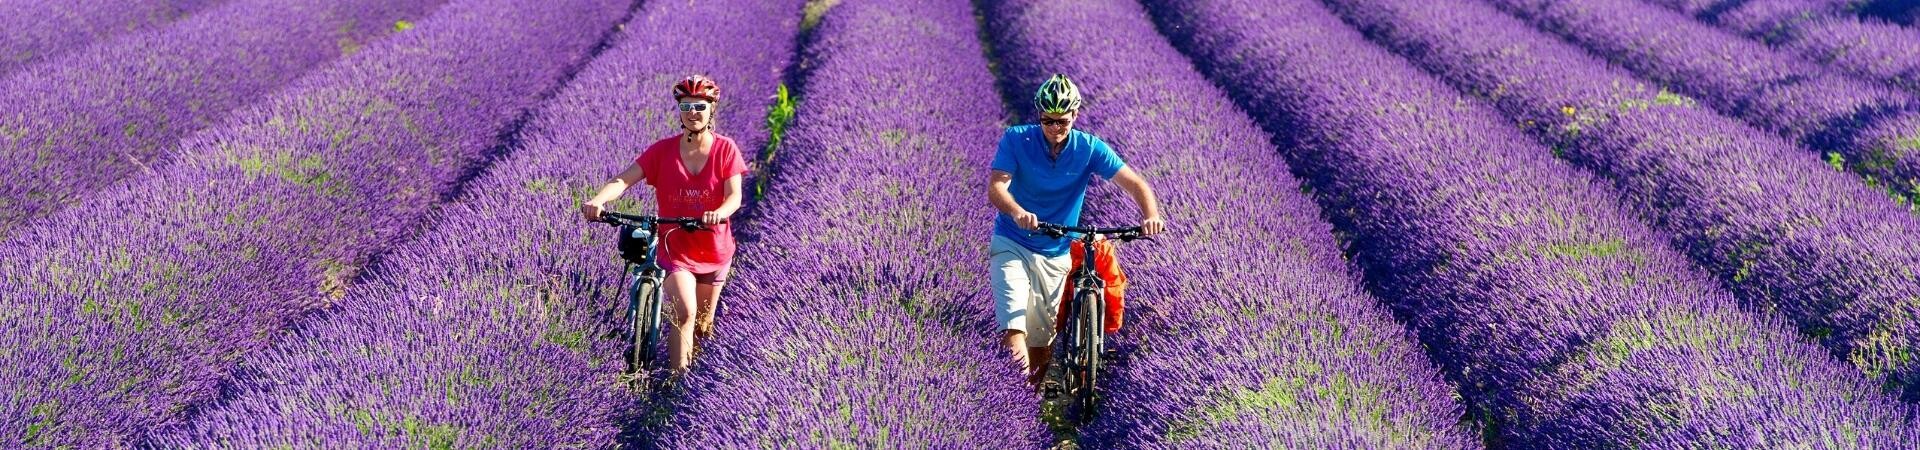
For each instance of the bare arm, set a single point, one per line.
(611, 191)
(728, 207)
(997, 184)
(1150, 221)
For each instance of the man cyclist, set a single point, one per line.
(694, 174)
(1040, 174)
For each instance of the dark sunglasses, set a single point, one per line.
(1054, 122)
(693, 106)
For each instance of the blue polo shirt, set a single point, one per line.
(1052, 189)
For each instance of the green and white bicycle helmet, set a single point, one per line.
(1057, 95)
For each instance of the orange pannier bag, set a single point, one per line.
(1109, 270)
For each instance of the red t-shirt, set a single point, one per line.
(682, 194)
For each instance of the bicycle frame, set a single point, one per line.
(643, 317)
(1084, 336)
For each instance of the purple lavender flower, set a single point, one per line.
(1565, 323)
(1245, 328)
(114, 111)
(145, 300)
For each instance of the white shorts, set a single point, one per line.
(1026, 289)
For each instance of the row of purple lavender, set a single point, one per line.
(1827, 32)
(148, 296)
(1564, 321)
(1865, 127)
(498, 326)
(1782, 230)
(77, 124)
(39, 30)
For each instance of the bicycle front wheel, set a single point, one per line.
(1090, 331)
(643, 313)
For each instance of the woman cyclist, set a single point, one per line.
(696, 173)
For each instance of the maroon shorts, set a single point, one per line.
(714, 278)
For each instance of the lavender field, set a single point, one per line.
(1393, 224)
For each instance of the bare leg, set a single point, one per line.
(1042, 357)
(1015, 342)
(680, 288)
(710, 300)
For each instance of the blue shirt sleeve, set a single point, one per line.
(1104, 162)
(1005, 159)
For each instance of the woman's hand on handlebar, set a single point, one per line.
(591, 211)
(711, 218)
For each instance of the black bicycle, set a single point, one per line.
(639, 245)
(1079, 346)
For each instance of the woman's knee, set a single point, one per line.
(682, 293)
(683, 313)
(682, 318)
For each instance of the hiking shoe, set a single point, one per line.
(1051, 389)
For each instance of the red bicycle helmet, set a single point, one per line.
(697, 86)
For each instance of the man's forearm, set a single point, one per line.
(1143, 196)
(1003, 200)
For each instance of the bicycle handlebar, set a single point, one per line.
(617, 219)
(1123, 234)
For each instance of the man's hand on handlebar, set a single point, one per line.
(1027, 220)
(1152, 226)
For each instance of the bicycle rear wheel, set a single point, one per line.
(643, 320)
